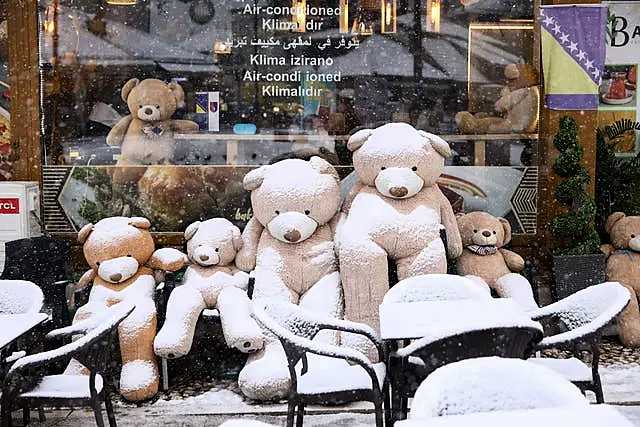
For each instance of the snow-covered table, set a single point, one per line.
(13, 326)
(589, 416)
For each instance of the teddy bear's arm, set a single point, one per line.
(607, 249)
(351, 195)
(184, 125)
(86, 278)
(514, 261)
(117, 132)
(246, 257)
(511, 98)
(167, 259)
(448, 220)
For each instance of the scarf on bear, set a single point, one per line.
(482, 250)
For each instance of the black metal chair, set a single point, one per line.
(296, 328)
(575, 324)
(27, 384)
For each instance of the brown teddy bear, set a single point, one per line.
(211, 281)
(396, 210)
(146, 135)
(485, 261)
(289, 242)
(517, 106)
(623, 265)
(120, 252)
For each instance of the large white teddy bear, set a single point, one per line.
(395, 211)
(211, 281)
(289, 242)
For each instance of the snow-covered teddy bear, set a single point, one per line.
(484, 259)
(395, 211)
(123, 260)
(211, 281)
(289, 243)
(623, 265)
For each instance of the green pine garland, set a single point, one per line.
(578, 224)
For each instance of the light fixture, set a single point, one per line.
(222, 48)
(344, 16)
(299, 15)
(433, 15)
(387, 16)
(50, 19)
(362, 25)
(121, 2)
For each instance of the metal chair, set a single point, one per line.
(27, 386)
(296, 328)
(575, 323)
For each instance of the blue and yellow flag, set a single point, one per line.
(573, 53)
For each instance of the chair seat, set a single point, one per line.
(338, 375)
(63, 386)
(572, 369)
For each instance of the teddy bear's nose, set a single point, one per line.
(398, 191)
(115, 277)
(204, 257)
(148, 111)
(292, 236)
(486, 233)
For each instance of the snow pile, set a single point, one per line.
(434, 287)
(213, 397)
(20, 296)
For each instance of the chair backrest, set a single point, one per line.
(492, 384)
(585, 312)
(434, 287)
(20, 296)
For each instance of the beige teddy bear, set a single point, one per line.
(120, 252)
(289, 242)
(517, 107)
(623, 265)
(211, 281)
(395, 211)
(484, 259)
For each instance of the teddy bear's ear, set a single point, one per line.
(140, 222)
(178, 92)
(440, 145)
(612, 219)
(84, 232)
(254, 179)
(324, 167)
(236, 238)
(357, 139)
(126, 89)
(507, 230)
(191, 230)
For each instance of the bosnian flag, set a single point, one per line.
(573, 53)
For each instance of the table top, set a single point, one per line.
(583, 416)
(441, 319)
(13, 326)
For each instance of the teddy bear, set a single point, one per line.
(288, 243)
(623, 265)
(147, 134)
(210, 281)
(485, 261)
(394, 211)
(123, 261)
(517, 107)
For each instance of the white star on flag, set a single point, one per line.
(596, 73)
(581, 55)
(542, 13)
(573, 47)
(548, 20)
(556, 29)
(588, 64)
(564, 38)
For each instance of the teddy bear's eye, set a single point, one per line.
(158, 107)
(97, 262)
(475, 231)
(307, 212)
(494, 232)
(277, 212)
(415, 168)
(139, 106)
(217, 249)
(129, 255)
(633, 236)
(382, 168)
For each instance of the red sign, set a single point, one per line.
(9, 206)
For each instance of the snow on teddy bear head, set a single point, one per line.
(398, 159)
(483, 229)
(116, 247)
(291, 198)
(212, 242)
(624, 231)
(152, 100)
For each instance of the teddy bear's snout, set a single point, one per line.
(292, 236)
(398, 191)
(398, 183)
(292, 227)
(206, 255)
(484, 237)
(115, 277)
(148, 113)
(634, 244)
(486, 233)
(117, 270)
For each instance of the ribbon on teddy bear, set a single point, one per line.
(482, 250)
(153, 130)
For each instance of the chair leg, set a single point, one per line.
(97, 411)
(387, 405)
(110, 415)
(395, 404)
(26, 416)
(377, 403)
(404, 407)
(597, 385)
(41, 417)
(300, 417)
(291, 412)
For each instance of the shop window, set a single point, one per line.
(6, 154)
(271, 79)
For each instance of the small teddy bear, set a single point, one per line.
(485, 261)
(623, 265)
(122, 257)
(211, 281)
(517, 106)
(146, 135)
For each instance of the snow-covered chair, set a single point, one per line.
(342, 382)
(492, 384)
(20, 297)
(27, 386)
(575, 323)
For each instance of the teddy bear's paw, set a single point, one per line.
(265, 376)
(172, 343)
(138, 380)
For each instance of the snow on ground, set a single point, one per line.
(621, 384)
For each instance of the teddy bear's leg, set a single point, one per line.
(139, 376)
(629, 321)
(430, 260)
(516, 286)
(86, 311)
(325, 299)
(240, 330)
(183, 309)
